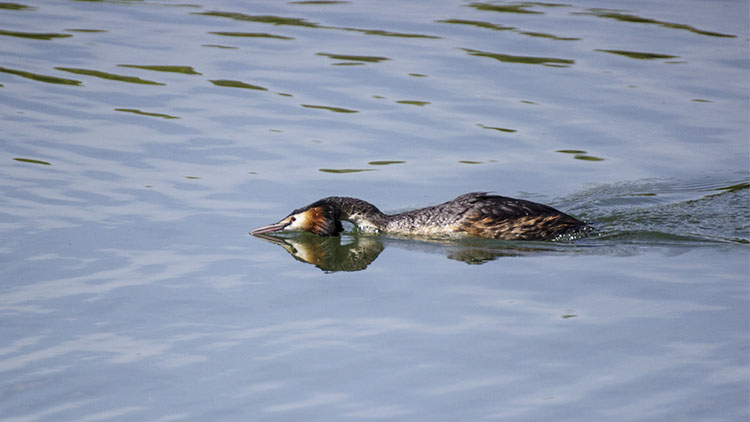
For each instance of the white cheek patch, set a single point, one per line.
(299, 223)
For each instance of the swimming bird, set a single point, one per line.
(473, 214)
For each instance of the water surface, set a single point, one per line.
(141, 141)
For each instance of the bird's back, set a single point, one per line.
(484, 215)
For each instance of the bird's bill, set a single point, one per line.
(281, 225)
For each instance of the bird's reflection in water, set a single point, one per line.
(355, 253)
(327, 252)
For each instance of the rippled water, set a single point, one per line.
(142, 140)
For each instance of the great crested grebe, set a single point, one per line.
(472, 214)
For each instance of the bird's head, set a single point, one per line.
(321, 218)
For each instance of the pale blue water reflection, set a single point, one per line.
(130, 289)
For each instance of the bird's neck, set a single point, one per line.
(362, 213)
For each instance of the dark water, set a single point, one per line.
(141, 141)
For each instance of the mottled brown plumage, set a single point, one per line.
(472, 214)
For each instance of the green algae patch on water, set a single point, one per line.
(499, 129)
(224, 47)
(86, 30)
(15, 6)
(251, 35)
(236, 84)
(385, 163)
(143, 113)
(287, 21)
(639, 55)
(32, 161)
(506, 8)
(507, 58)
(571, 151)
(382, 33)
(270, 19)
(186, 70)
(549, 36)
(354, 58)
(579, 154)
(414, 102)
(495, 27)
(333, 109)
(46, 36)
(108, 76)
(587, 157)
(41, 78)
(342, 171)
(479, 24)
(623, 17)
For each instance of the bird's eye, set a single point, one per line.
(293, 219)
